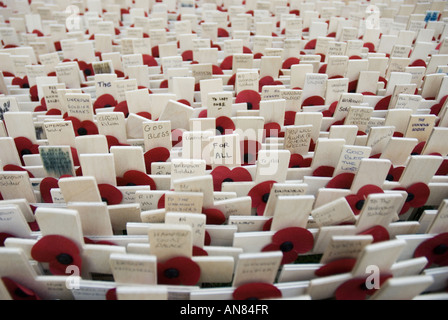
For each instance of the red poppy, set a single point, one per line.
(21, 82)
(4, 236)
(13, 167)
(214, 216)
(250, 97)
(383, 104)
(313, 101)
(136, 178)
(336, 267)
(187, 55)
(434, 249)
(82, 128)
(395, 173)
(45, 187)
(217, 70)
(341, 181)
(290, 118)
(352, 86)
(435, 109)
(356, 201)
(260, 195)
(227, 63)
(199, 252)
(104, 101)
(272, 129)
(418, 63)
(24, 146)
(357, 289)
(291, 241)
(58, 251)
(18, 291)
(42, 107)
(178, 271)
(323, 171)
(224, 174)
(150, 61)
(113, 142)
(176, 137)
(443, 168)
(370, 46)
(111, 294)
(290, 62)
(418, 148)
(159, 154)
(311, 44)
(330, 111)
(86, 68)
(268, 81)
(224, 125)
(256, 291)
(418, 194)
(122, 107)
(110, 194)
(298, 161)
(104, 242)
(379, 233)
(249, 151)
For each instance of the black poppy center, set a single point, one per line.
(249, 105)
(363, 286)
(104, 199)
(25, 86)
(82, 131)
(131, 184)
(265, 197)
(87, 72)
(64, 258)
(359, 204)
(410, 197)
(227, 180)
(390, 177)
(171, 273)
(252, 298)
(107, 106)
(441, 249)
(220, 129)
(20, 293)
(296, 166)
(25, 152)
(286, 246)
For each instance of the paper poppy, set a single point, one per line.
(298, 161)
(214, 216)
(310, 45)
(149, 61)
(227, 63)
(379, 233)
(59, 251)
(114, 142)
(435, 250)
(103, 242)
(267, 81)
(418, 63)
(256, 291)
(313, 101)
(176, 137)
(323, 171)
(272, 129)
(290, 118)
(356, 201)
(199, 252)
(122, 107)
(370, 46)
(289, 62)
(42, 107)
(111, 294)
(187, 55)
(104, 101)
(395, 173)
(292, 241)
(21, 82)
(330, 111)
(45, 187)
(443, 168)
(249, 151)
(435, 109)
(158, 154)
(136, 178)
(222, 174)
(418, 194)
(260, 195)
(110, 194)
(358, 288)
(418, 149)
(13, 167)
(82, 128)
(341, 181)
(352, 86)
(18, 291)
(86, 68)
(383, 104)
(24, 146)
(336, 267)
(178, 271)
(250, 97)
(224, 125)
